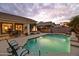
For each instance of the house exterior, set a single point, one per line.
(45, 27)
(61, 29)
(49, 27)
(8, 21)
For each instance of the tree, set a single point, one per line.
(74, 24)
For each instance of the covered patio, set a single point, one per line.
(10, 22)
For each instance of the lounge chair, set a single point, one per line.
(16, 50)
(15, 44)
(22, 52)
(11, 49)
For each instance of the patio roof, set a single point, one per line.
(5, 17)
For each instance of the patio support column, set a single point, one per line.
(13, 26)
(28, 29)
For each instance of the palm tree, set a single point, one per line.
(74, 24)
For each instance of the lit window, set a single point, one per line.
(19, 27)
(5, 27)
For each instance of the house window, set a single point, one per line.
(6, 27)
(19, 27)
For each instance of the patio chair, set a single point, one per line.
(14, 44)
(16, 50)
(11, 49)
(22, 52)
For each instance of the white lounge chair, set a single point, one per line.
(16, 50)
(14, 44)
(22, 52)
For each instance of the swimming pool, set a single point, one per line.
(49, 43)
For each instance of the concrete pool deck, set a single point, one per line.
(23, 39)
(20, 40)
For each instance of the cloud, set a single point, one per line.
(42, 11)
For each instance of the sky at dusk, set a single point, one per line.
(55, 12)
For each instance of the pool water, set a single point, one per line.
(49, 43)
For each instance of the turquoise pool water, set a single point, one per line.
(50, 43)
